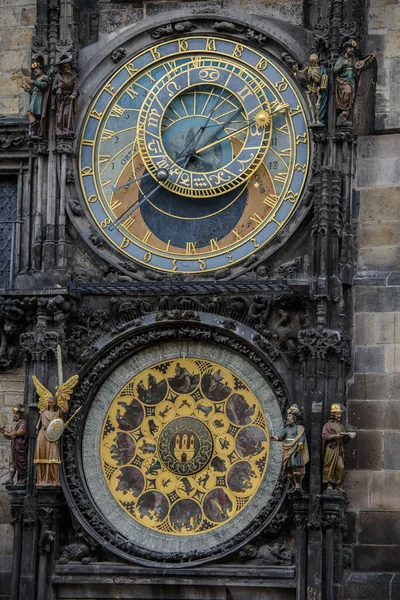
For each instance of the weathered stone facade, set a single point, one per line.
(17, 23)
(374, 405)
(319, 314)
(383, 26)
(12, 394)
(116, 16)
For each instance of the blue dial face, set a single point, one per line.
(242, 106)
(194, 154)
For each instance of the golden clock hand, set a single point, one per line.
(203, 160)
(221, 127)
(226, 137)
(262, 119)
(164, 173)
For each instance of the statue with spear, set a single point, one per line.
(51, 424)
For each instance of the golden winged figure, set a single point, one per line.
(62, 394)
(52, 411)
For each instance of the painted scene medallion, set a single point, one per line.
(184, 446)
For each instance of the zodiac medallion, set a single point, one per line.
(184, 446)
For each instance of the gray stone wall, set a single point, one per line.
(11, 393)
(374, 396)
(116, 16)
(384, 26)
(17, 21)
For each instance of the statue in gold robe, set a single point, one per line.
(47, 455)
(334, 436)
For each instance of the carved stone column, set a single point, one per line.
(48, 502)
(27, 583)
(39, 153)
(300, 510)
(64, 149)
(17, 511)
(40, 349)
(333, 524)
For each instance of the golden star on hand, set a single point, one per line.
(256, 185)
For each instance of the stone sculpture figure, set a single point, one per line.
(347, 70)
(277, 554)
(295, 449)
(317, 89)
(65, 93)
(19, 445)
(47, 455)
(334, 436)
(38, 89)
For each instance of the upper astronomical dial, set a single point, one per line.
(218, 144)
(194, 154)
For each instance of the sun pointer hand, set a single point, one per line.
(262, 119)
(163, 174)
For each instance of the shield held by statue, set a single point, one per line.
(54, 430)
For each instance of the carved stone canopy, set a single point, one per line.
(122, 358)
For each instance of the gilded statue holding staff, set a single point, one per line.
(52, 412)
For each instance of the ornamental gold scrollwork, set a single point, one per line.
(184, 446)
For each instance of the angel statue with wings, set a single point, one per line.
(52, 411)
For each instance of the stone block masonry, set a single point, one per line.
(384, 24)
(373, 481)
(116, 16)
(17, 22)
(11, 393)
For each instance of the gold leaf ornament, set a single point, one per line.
(43, 393)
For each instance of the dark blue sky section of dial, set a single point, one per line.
(180, 231)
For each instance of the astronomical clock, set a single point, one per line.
(193, 155)
(176, 450)
(178, 253)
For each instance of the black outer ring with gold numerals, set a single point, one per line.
(108, 146)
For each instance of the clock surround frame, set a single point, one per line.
(139, 40)
(94, 374)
